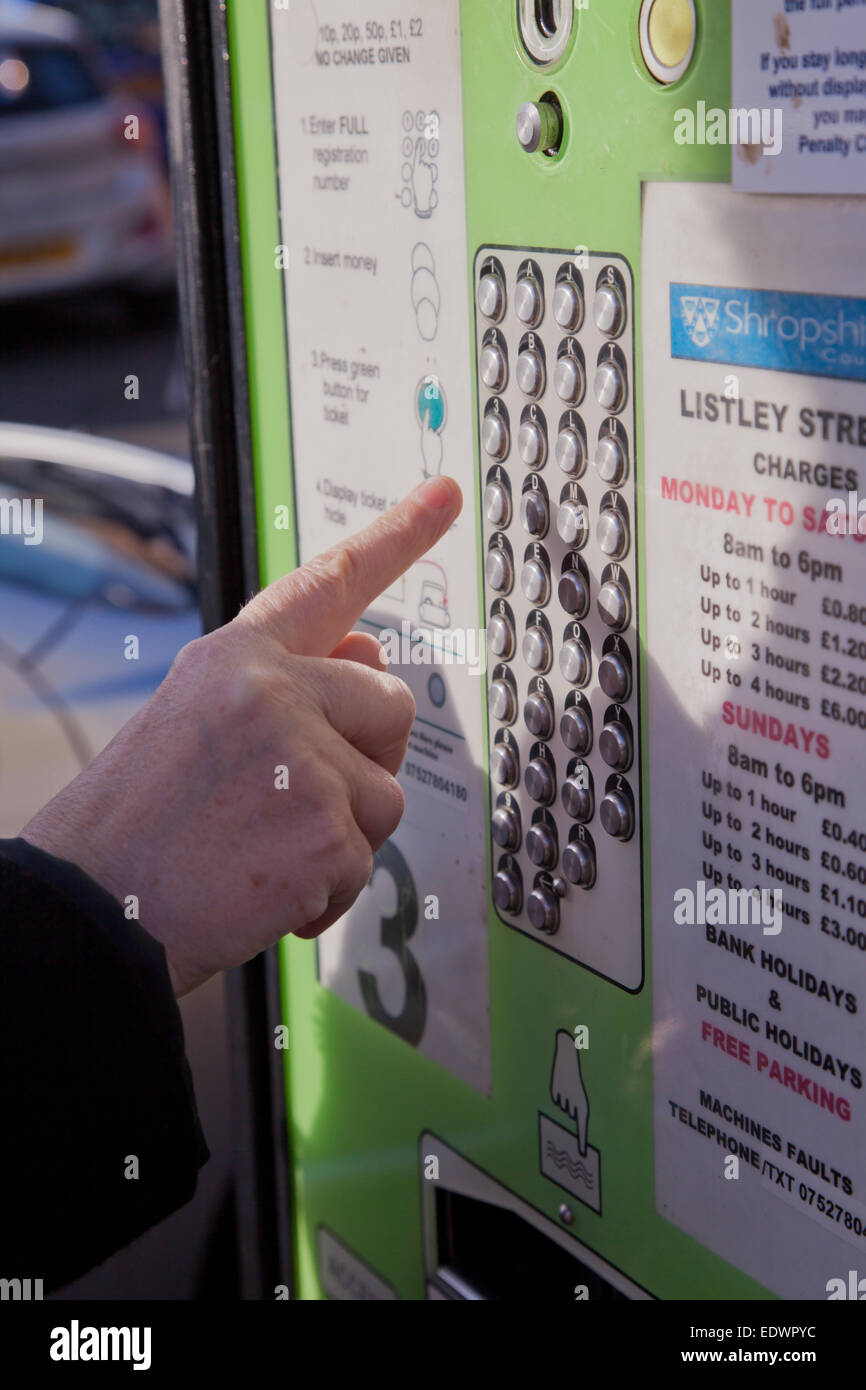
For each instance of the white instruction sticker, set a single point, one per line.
(800, 66)
(370, 150)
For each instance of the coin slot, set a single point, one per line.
(545, 28)
(547, 17)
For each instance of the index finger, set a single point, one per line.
(311, 610)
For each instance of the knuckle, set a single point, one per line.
(333, 837)
(345, 855)
(248, 689)
(311, 903)
(190, 657)
(329, 822)
(358, 868)
(393, 804)
(340, 569)
(216, 661)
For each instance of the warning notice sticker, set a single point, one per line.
(799, 69)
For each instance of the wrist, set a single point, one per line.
(60, 835)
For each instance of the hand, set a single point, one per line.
(567, 1088)
(185, 809)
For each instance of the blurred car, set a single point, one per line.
(94, 603)
(81, 204)
(128, 37)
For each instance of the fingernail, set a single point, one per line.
(438, 493)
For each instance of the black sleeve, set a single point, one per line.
(94, 1082)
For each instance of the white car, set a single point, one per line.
(81, 203)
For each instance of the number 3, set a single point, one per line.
(395, 932)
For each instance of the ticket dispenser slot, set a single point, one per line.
(482, 1242)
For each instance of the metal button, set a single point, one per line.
(528, 301)
(497, 504)
(568, 380)
(542, 907)
(567, 306)
(506, 892)
(501, 702)
(608, 310)
(612, 533)
(574, 594)
(614, 744)
(505, 828)
(494, 436)
(534, 514)
(539, 126)
(576, 730)
(570, 453)
(578, 864)
(572, 522)
(536, 649)
(616, 816)
(503, 765)
(531, 444)
(614, 677)
(538, 716)
(577, 800)
(535, 582)
(493, 367)
(491, 296)
(609, 387)
(497, 569)
(540, 782)
(541, 846)
(613, 606)
(610, 461)
(529, 126)
(529, 371)
(574, 662)
(500, 635)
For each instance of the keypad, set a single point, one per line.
(555, 364)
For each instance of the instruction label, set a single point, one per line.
(756, 639)
(373, 227)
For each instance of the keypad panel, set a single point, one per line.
(556, 435)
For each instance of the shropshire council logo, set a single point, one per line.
(700, 317)
(816, 335)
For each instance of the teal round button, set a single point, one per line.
(430, 405)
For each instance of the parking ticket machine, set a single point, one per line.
(594, 1029)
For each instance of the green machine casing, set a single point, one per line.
(519, 1068)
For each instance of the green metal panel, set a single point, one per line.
(359, 1097)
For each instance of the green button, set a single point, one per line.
(430, 404)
